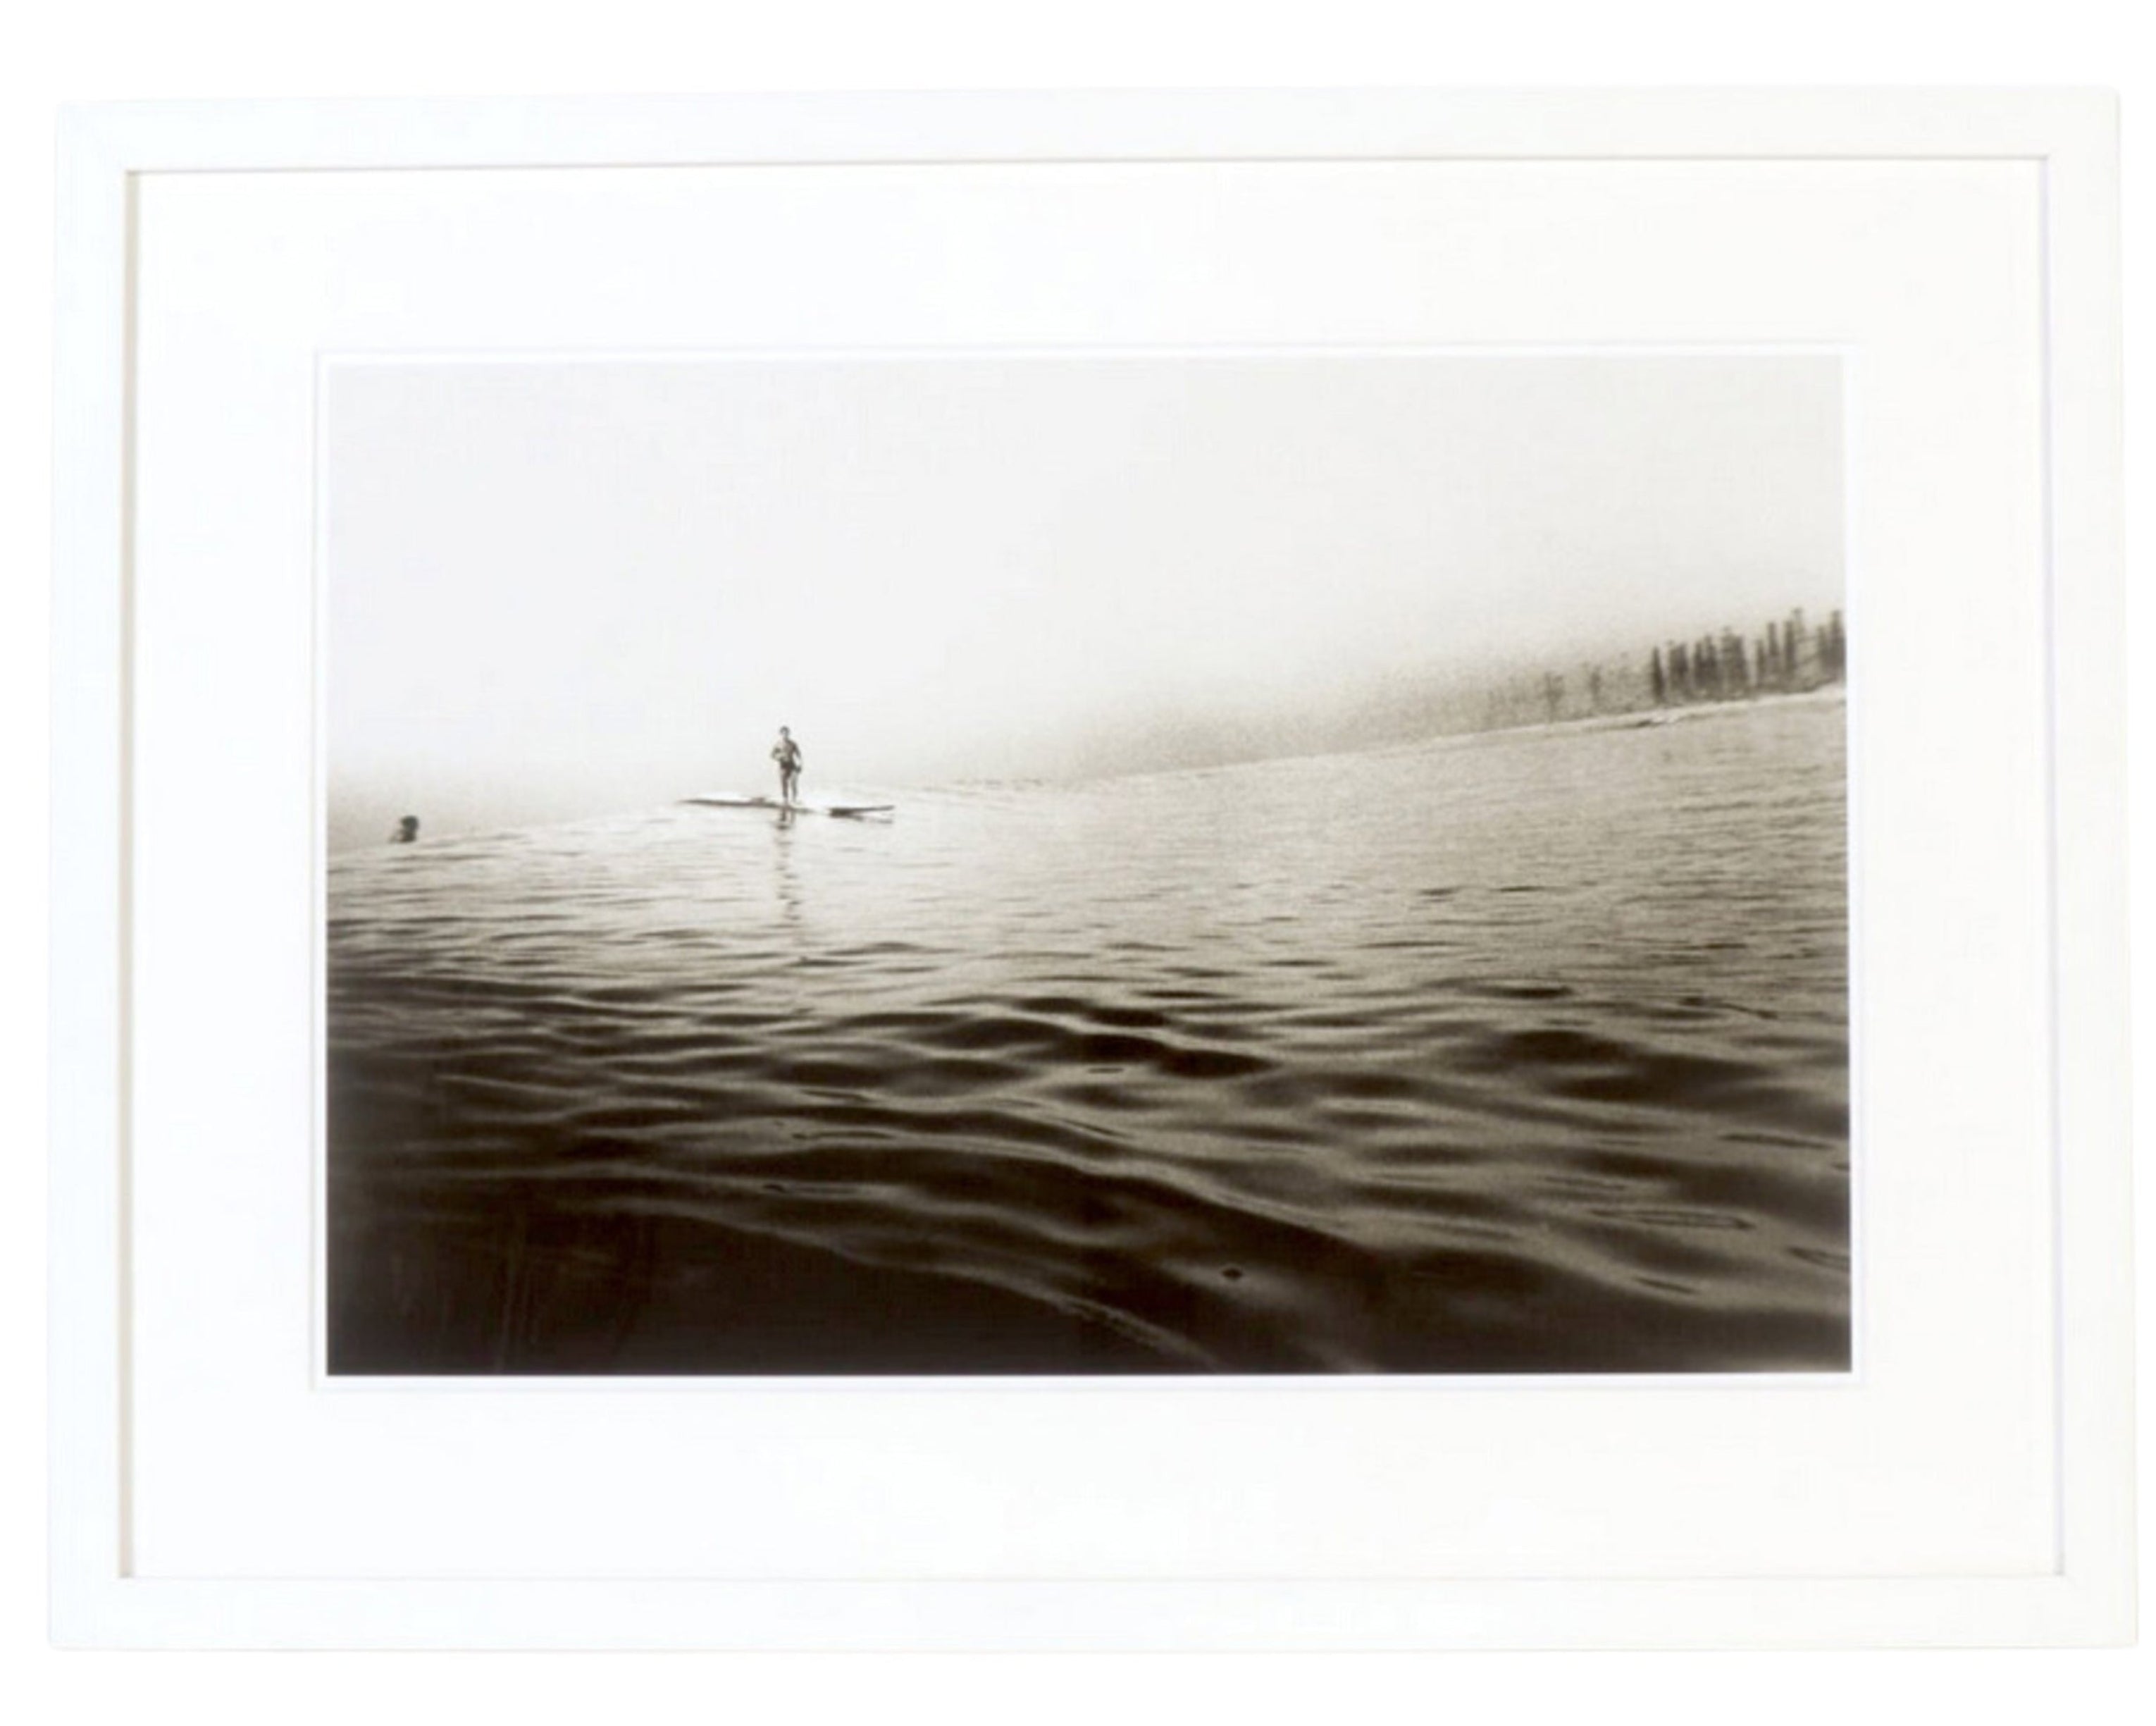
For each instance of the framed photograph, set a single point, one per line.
(1327, 869)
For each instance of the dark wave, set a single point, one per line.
(1525, 1056)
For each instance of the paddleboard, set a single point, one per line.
(841, 810)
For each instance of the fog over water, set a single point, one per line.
(1201, 1008)
(560, 589)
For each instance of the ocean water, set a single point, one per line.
(1522, 1052)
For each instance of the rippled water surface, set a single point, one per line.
(1522, 1052)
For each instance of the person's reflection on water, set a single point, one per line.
(788, 880)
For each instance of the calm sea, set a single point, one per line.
(1524, 1052)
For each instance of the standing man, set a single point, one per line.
(788, 754)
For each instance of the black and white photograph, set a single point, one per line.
(1282, 861)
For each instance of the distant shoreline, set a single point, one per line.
(1630, 719)
(1639, 718)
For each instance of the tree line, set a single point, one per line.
(1787, 656)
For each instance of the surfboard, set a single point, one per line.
(841, 809)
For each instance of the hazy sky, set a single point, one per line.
(556, 588)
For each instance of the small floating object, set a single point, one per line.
(843, 810)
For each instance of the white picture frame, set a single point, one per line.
(2078, 1289)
